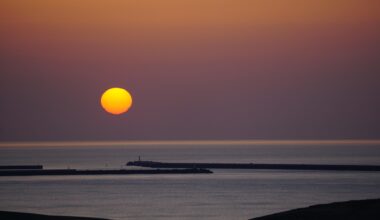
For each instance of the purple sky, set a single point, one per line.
(214, 71)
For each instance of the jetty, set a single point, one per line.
(257, 166)
(21, 167)
(66, 172)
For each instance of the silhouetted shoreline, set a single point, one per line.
(31, 216)
(350, 210)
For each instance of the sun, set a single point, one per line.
(116, 101)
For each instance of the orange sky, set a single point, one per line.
(156, 29)
(172, 20)
(229, 64)
(187, 13)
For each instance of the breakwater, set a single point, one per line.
(21, 167)
(153, 164)
(60, 172)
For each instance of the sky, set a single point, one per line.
(197, 69)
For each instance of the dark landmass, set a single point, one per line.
(21, 167)
(350, 210)
(29, 216)
(51, 172)
(153, 164)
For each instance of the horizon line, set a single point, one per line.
(191, 142)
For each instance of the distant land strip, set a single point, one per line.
(187, 143)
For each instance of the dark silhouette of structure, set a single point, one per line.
(153, 164)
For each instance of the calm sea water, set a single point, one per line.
(226, 194)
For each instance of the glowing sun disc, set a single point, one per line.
(116, 101)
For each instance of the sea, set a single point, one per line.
(225, 194)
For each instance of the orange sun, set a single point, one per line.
(116, 101)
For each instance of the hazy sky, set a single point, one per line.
(197, 69)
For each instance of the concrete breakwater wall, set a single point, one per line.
(153, 164)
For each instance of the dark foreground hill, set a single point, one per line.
(350, 210)
(28, 216)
